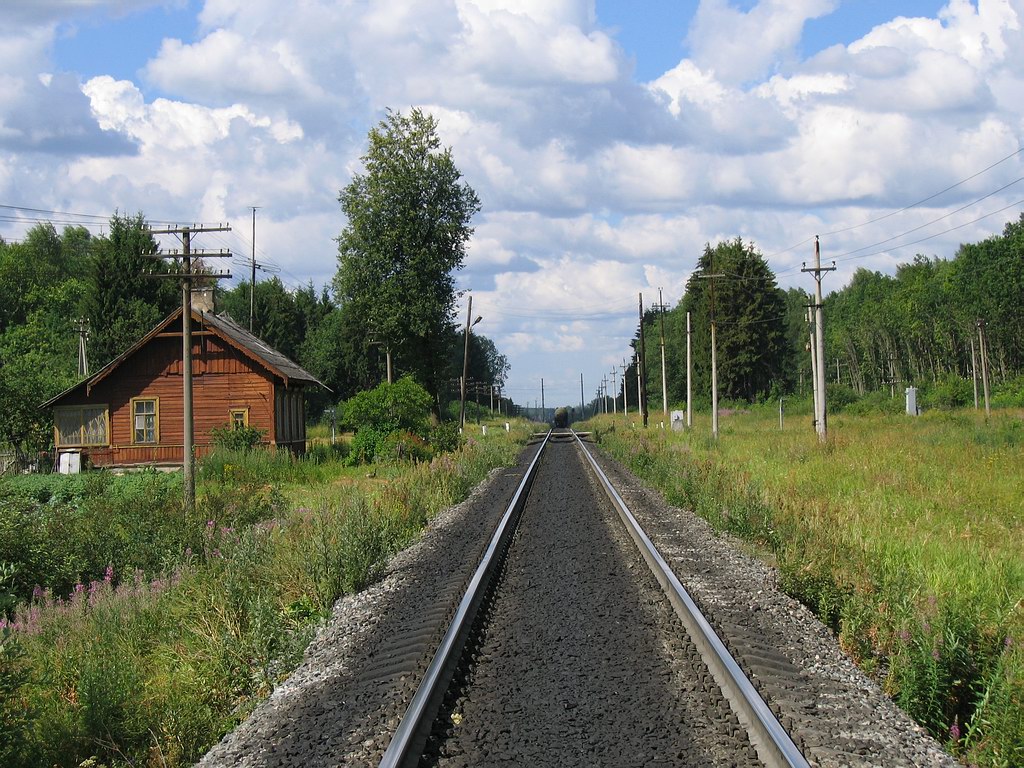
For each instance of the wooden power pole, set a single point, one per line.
(819, 338)
(186, 276)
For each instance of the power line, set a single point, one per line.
(900, 210)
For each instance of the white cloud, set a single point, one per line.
(740, 46)
(594, 187)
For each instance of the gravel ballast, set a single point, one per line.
(342, 704)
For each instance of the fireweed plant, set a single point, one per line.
(150, 657)
(905, 535)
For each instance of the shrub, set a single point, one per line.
(387, 408)
(364, 445)
(402, 447)
(232, 438)
(445, 437)
(839, 396)
(879, 401)
(948, 393)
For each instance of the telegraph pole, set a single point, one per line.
(186, 275)
(625, 391)
(983, 353)
(82, 326)
(583, 404)
(812, 346)
(664, 379)
(714, 357)
(252, 285)
(689, 373)
(642, 367)
(819, 330)
(615, 392)
(543, 410)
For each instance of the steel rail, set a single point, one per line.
(406, 745)
(773, 744)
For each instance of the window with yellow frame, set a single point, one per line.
(239, 418)
(145, 420)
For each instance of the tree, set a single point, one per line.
(408, 224)
(750, 318)
(121, 302)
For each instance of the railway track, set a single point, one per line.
(573, 654)
(557, 655)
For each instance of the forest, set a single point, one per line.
(920, 327)
(52, 281)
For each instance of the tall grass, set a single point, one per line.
(151, 668)
(905, 536)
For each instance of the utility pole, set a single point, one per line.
(639, 386)
(252, 285)
(714, 356)
(186, 275)
(465, 363)
(664, 379)
(583, 404)
(819, 330)
(689, 373)
(543, 410)
(983, 353)
(974, 373)
(615, 392)
(82, 326)
(625, 391)
(812, 346)
(642, 369)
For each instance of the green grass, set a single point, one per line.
(151, 666)
(906, 535)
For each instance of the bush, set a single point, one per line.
(445, 437)
(387, 408)
(879, 401)
(948, 394)
(839, 396)
(403, 447)
(232, 438)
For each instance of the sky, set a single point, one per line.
(608, 140)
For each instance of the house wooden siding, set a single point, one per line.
(224, 380)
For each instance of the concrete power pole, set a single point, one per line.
(714, 356)
(689, 373)
(819, 331)
(812, 346)
(642, 368)
(625, 391)
(983, 353)
(186, 275)
(664, 379)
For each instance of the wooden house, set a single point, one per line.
(131, 413)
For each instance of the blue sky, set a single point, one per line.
(608, 140)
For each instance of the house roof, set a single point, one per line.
(222, 326)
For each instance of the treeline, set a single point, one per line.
(918, 327)
(52, 280)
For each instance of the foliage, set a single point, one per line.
(122, 301)
(386, 408)
(133, 668)
(234, 438)
(750, 313)
(408, 218)
(918, 327)
(445, 436)
(869, 531)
